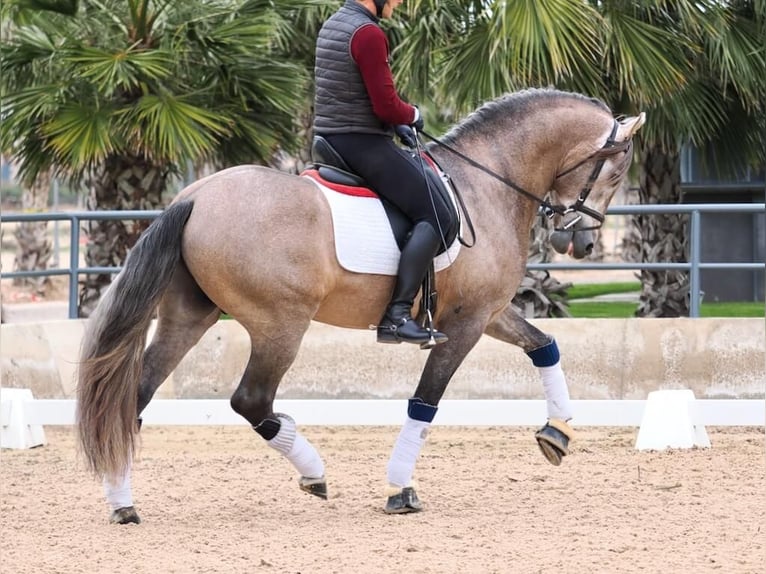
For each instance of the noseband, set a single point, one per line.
(609, 148)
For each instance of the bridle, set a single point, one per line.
(549, 209)
(609, 148)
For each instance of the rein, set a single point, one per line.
(610, 147)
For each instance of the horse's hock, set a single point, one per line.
(603, 359)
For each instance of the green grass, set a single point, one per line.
(587, 290)
(602, 309)
(737, 309)
(623, 309)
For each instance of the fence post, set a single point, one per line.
(695, 251)
(74, 265)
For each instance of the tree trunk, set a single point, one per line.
(34, 246)
(539, 294)
(121, 183)
(663, 236)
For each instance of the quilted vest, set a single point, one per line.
(341, 103)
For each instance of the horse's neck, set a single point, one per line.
(528, 150)
(487, 192)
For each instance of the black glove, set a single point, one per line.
(406, 135)
(418, 123)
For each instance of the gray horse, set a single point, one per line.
(259, 244)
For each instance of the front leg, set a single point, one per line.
(511, 327)
(442, 363)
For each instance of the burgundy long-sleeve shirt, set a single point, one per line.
(369, 49)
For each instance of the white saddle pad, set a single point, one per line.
(364, 242)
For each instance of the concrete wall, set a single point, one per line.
(603, 359)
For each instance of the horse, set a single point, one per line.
(258, 244)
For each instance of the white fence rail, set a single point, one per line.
(666, 418)
(617, 413)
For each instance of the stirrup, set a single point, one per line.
(436, 337)
(427, 338)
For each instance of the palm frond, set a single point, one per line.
(112, 71)
(166, 126)
(737, 56)
(80, 136)
(550, 40)
(643, 60)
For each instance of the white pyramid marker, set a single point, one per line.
(15, 430)
(671, 420)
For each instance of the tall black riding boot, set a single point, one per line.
(397, 325)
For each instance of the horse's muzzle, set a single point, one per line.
(574, 235)
(577, 243)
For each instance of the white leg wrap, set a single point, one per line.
(556, 392)
(410, 441)
(297, 449)
(118, 492)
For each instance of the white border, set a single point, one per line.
(333, 412)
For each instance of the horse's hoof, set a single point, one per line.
(553, 440)
(124, 515)
(315, 486)
(403, 502)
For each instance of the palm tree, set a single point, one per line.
(493, 48)
(121, 95)
(540, 294)
(297, 42)
(33, 244)
(697, 68)
(719, 102)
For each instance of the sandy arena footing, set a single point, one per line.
(217, 500)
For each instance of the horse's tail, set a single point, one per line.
(113, 345)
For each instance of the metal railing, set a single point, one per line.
(693, 266)
(74, 271)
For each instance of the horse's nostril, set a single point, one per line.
(561, 240)
(589, 249)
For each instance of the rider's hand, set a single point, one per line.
(417, 123)
(406, 135)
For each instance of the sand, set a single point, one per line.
(217, 500)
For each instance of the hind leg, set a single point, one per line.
(554, 437)
(253, 399)
(184, 314)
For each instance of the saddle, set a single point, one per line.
(332, 167)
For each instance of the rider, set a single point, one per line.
(357, 110)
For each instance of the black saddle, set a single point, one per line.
(332, 167)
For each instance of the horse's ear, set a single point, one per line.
(632, 124)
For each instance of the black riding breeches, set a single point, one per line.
(393, 174)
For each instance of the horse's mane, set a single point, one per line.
(512, 104)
